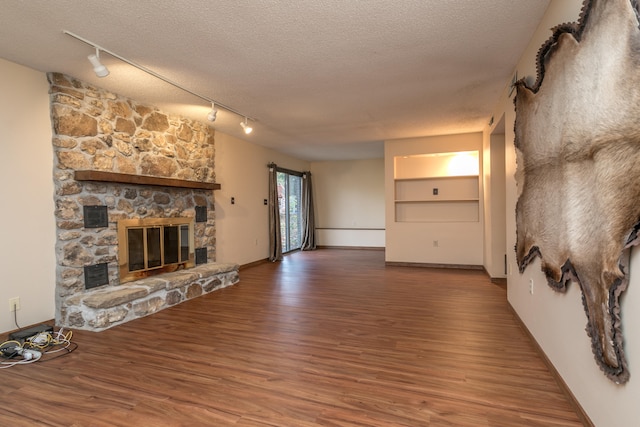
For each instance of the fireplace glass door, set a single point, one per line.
(135, 237)
(171, 245)
(155, 245)
(162, 245)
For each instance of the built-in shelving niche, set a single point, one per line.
(438, 187)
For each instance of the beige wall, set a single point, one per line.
(458, 242)
(349, 200)
(26, 178)
(27, 254)
(241, 170)
(495, 240)
(558, 320)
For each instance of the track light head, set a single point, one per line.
(98, 68)
(247, 129)
(213, 113)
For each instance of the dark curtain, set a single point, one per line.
(275, 235)
(308, 219)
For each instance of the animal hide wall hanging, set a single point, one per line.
(577, 137)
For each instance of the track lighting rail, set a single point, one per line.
(214, 103)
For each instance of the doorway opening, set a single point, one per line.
(497, 203)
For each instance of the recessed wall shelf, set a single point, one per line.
(427, 189)
(123, 178)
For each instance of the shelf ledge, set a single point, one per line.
(430, 178)
(436, 200)
(123, 178)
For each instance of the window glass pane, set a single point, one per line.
(171, 244)
(289, 196)
(283, 184)
(153, 247)
(135, 243)
(295, 186)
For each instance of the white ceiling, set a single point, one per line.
(324, 79)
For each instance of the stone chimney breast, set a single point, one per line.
(102, 132)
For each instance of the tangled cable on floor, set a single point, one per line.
(40, 347)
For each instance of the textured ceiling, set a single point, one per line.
(324, 79)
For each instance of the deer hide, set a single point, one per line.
(577, 137)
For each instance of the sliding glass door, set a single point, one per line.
(289, 197)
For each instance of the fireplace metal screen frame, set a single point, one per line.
(123, 247)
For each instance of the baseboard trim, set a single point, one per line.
(253, 264)
(584, 418)
(359, 248)
(431, 265)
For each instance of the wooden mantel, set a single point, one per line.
(124, 178)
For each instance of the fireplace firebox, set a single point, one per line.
(149, 246)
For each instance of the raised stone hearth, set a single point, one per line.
(101, 308)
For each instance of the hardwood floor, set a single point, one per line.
(324, 338)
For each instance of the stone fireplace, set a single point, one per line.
(125, 163)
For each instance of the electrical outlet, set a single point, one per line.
(531, 286)
(14, 304)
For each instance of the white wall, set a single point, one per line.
(349, 200)
(242, 229)
(458, 242)
(27, 253)
(557, 321)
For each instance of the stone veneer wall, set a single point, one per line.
(94, 129)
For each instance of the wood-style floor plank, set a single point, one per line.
(323, 338)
